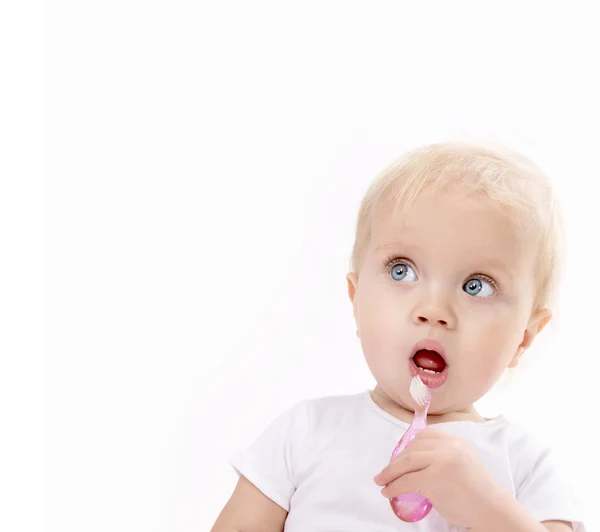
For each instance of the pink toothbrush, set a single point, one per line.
(411, 507)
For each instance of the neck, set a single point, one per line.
(405, 412)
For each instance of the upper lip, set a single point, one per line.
(431, 345)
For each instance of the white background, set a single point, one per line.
(21, 266)
(205, 162)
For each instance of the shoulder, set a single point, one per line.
(522, 446)
(297, 433)
(319, 414)
(533, 460)
(333, 408)
(542, 481)
(516, 439)
(507, 446)
(521, 443)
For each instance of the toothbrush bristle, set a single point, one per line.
(419, 392)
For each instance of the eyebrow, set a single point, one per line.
(497, 266)
(398, 244)
(403, 245)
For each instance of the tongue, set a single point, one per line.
(429, 360)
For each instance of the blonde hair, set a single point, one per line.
(504, 176)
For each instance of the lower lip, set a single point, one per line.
(430, 380)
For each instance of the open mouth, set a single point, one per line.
(429, 363)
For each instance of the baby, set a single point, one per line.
(454, 266)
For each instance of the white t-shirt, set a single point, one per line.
(318, 460)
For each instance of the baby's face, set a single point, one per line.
(447, 287)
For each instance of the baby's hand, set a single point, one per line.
(448, 472)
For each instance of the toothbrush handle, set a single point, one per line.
(410, 507)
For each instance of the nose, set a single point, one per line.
(434, 311)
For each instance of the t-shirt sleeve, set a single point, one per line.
(547, 493)
(270, 462)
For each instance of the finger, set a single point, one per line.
(431, 434)
(404, 464)
(409, 483)
(421, 444)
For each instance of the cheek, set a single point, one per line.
(493, 333)
(379, 326)
(506, 332)
(374, 310)
(493, 343)
(381, 321)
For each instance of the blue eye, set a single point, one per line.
(479, 288)
(403, 272)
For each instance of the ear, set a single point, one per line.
(539, 319)
(352, 280)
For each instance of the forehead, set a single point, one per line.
(453, 228)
